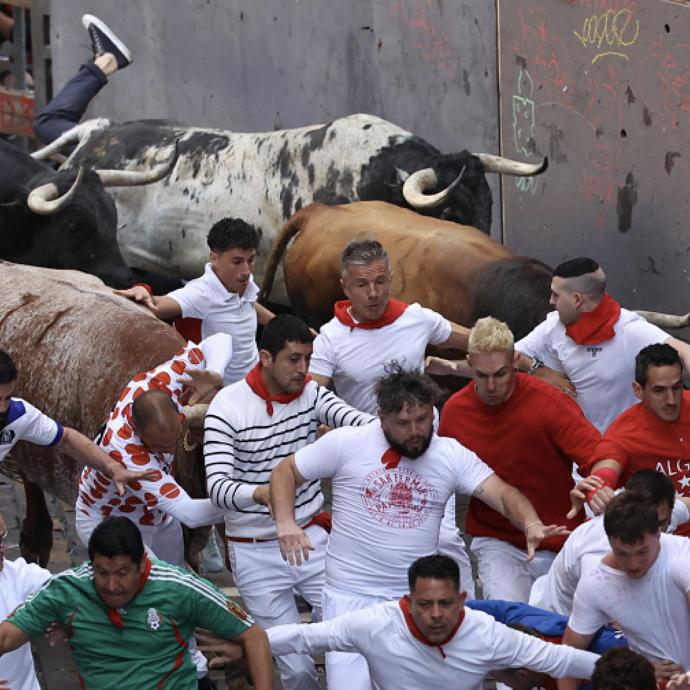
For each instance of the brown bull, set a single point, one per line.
(453, 269)
(76, 346)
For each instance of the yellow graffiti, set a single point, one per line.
(616, 29)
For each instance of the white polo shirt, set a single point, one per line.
(603, 373)
(653, 611)
(353, 358)
(384, 519)
(582, 550)
(26, 423)
(18, 580)
(397, 660)
(221, 311)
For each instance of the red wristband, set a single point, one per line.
(144, 285)
(610, 478)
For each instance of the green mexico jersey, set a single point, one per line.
(142, 646)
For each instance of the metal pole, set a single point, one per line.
(19, 41)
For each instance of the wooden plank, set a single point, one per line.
(17, 113)
(26, 4)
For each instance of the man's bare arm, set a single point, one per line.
(263, 315)
(84, 450)
(459, 337)
(11, 637)
(578, 641)
(258, 654)
(322, 380)
(162, 306)
(293, 541)
(515, 506)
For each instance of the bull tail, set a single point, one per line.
(71, 137)
(285, 234)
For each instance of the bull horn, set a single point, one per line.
(417, 183)
(505, 166)
(195, 414)
(665, 320)
(131, 178)
(46, 200)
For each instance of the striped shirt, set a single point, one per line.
(143, 644)
(243, 443)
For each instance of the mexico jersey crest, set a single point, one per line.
(153, 619)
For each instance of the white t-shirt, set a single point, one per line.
(353, 358)
(26, 423)
(603, 373)
(18, 580)
(221, 311)
(653, 611)
(385, 519)
(583, 549)
(398, 661)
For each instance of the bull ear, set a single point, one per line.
(402, 176)
(19, 193)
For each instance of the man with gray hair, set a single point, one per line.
(530, 434)
(368, 330)
(391, 482)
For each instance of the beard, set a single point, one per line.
(402, 448)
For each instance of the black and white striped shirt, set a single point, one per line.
(243, 443)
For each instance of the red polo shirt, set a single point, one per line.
(531, 441)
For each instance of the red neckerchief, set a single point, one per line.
(256, 383)
(114, 614)
(418, 634)
(393, 312)
(391, 458)
(596, 326)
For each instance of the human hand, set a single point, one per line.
(537, 533)
(262, 496)
(226, 651)
(665, 669)
(3, 684)
(201, 385)
(55, 633)
(122, 476)
(294, 543)
(679, 681)
(556, 379)
(601, 499)
(578, 494)
(140, 294)
(437, 366)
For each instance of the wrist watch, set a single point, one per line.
(536, 364)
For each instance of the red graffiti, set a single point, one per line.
(598, 187)
(16, 113)
(424, 19)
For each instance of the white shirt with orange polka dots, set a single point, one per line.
(149, 504)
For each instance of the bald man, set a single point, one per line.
(143, 431)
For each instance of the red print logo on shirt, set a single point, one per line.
(399, 498)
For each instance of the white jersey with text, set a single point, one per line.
(603, 373)
(384, 519)
(26, 423)
(652, 611)
(353, 358)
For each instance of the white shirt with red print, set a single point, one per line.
(150, 504)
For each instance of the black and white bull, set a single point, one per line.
(265, 178)
(63, 219)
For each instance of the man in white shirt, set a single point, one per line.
(222, 300)
(21, 421)
(18, 580)
(588, 544)
(391, 482)
(250, 427)
(643, 584)
(428, 639)
(593, 341)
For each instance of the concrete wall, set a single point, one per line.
(258, 65)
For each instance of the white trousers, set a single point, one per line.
(503, 571)
(451, 543)
(165, 543)
(345, 670)
(265, 582)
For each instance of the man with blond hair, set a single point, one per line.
(530, 434)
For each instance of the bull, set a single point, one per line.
(265, 178)
(63, 219)
(455, 270)
(76, 346)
